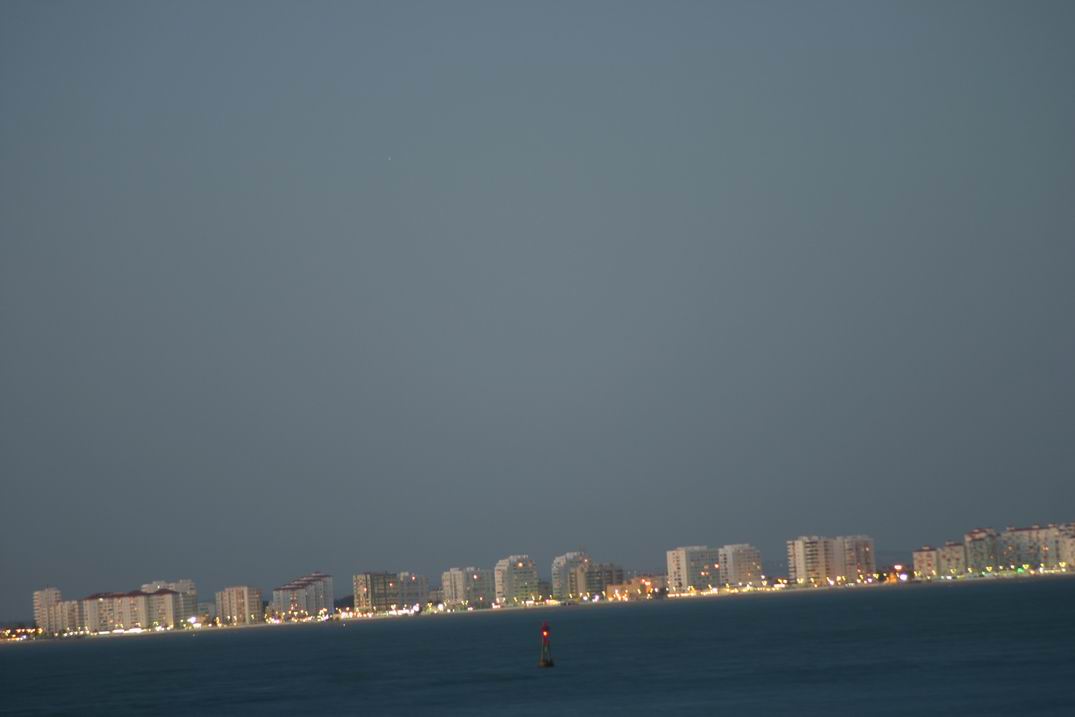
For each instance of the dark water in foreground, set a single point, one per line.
(1003, 648)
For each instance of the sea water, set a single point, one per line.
(991, 647)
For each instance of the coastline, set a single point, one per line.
(344, 621)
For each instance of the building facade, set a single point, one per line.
(926, 563)
(470, 587)
(239, 605)
(952, 560)
(309, 595)
(812, 560)
(187, 594)
(855, 561)
(592, 579)
(564, 576)
(46, 603)
(515, 580)
(376, 592)
(982, 548)
(740, 564)
(693, 568)
(413, 589)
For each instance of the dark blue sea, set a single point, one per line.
(1004, 647)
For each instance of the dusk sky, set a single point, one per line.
(403, 286)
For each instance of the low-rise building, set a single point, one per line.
(641, 587)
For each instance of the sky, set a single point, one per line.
(402, 286)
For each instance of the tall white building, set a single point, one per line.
(855, 560)
(812, 559)
(740, 564)
(309, 595)
(564, 581)
(239, 605)
(515, 579)
(453, 583)
(817, 560)
(185, 588)
(693, 568)
(474, 587)
(46, 603)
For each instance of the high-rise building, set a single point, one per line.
(166, 608)
(453, 583)
(952, 560)
(187, 595)
(982, 550)
(740, 564)
(413, 590)
(379, 592)
(515, 580)
(470, 586)
(1034, 547)
(309, 595)
(1067, 546)
(855, 560)
(376, 592)
(693, 568)
(564, 583)
(812, 560)
(46, 602)
(926, 563)
(69, 615)
(239, 605)
(595, 578)
(816, 560)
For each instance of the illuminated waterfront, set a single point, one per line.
(988, 647)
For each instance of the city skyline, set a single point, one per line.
(812, 561)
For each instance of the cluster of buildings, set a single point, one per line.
(159, 604)
(387, 592)
(575, 576)
(699, 568)
(985, 550)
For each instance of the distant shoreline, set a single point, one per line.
(720, 595)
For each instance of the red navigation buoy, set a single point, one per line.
(546, 649)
